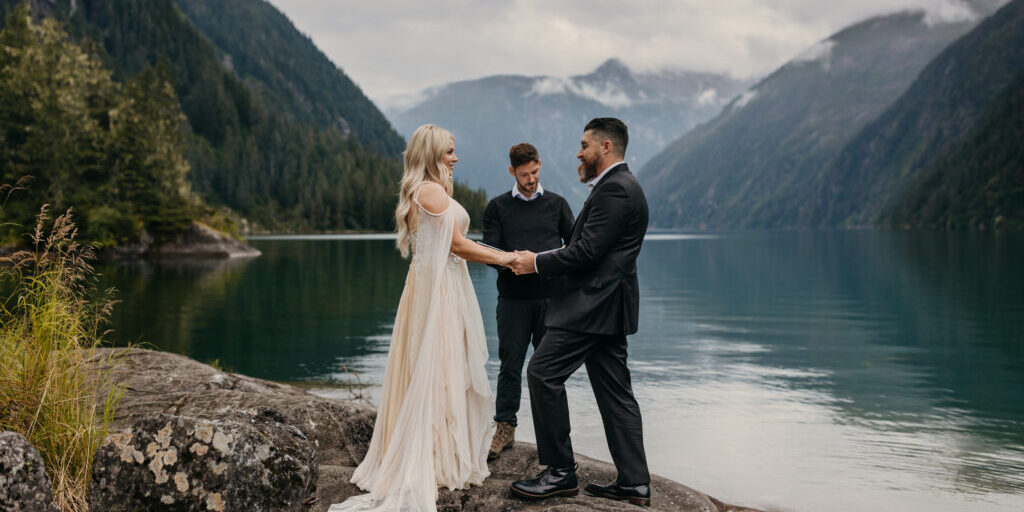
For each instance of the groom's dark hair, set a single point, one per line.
(522, 153)
(610, 128)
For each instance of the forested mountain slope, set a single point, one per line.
(752, 165)
(285, 157)
(979, 182)
(936, 113)
(262, 46)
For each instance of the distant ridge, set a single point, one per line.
(754, 164)
(979, 182)
(936, 113)
(490, 114)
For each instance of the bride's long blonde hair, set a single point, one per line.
(423, 162)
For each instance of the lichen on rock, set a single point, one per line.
(256, 465)
(24, 485)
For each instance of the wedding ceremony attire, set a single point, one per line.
(594, 305)
(433, 425)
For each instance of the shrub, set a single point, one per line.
(50, 328)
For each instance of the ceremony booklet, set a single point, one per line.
(488, 246)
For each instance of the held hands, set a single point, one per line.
(520, 262)
(508, 260)
(523, 263)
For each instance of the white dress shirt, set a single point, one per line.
(519, 195)
(590, 186)
(593, 182)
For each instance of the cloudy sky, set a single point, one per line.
(398, 47)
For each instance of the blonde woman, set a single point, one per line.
(433, 425)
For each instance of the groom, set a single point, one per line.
(593, 307)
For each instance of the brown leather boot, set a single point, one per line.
(504, 437)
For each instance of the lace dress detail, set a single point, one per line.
(462, 220)
(454, 261)
(434, 422)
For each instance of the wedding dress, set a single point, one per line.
(434, 422)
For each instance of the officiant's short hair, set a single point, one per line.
(612, 129)
(522, 153)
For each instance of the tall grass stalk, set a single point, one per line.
(50, 327)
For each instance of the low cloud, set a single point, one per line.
(393, 48)
(604, 94)
(707, 97)
(821, 52)
(949, 12)
(745, 98)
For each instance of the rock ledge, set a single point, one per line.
(284, 449)
(197, 241)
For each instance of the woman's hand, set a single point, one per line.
(508, 259)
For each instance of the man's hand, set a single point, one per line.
(525, 263)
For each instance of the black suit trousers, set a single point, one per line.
(560, 354)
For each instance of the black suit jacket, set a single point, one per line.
(598, 291)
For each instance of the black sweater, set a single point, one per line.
(514, 224)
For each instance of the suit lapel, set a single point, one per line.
(608, 174)
(579, 220)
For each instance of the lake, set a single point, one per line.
(804, 371)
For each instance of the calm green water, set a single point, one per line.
(840, 371)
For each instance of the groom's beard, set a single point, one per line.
(587, 171)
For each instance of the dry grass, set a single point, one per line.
(50, 326)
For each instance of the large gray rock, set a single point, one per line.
(168, 462)
(158, 383)
(24, 485)
(164, 383)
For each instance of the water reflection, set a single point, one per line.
(911, 355)
(800, 371)
(291, 314)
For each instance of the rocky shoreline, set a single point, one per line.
(196, 241)
(188, 436)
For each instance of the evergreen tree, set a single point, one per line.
(149, 167)
(54, 113)
(246, 148)
(113, 153)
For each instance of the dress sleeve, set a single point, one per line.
(433, 247)
(434, 233)
(433, 244)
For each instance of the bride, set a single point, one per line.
(433, 425)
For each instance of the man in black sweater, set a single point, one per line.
(526, 218)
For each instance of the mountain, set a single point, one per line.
(262, 47)
(978, 182)
(276, 131)
(750, 166)
(926, 150)
(491, 114)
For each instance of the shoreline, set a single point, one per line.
(317, 442)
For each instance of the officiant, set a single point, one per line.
(525, 218)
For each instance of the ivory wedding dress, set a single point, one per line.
(434, 422)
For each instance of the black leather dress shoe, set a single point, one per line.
(549, 483)
(635, 494)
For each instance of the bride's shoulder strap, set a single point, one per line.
(432, 198)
